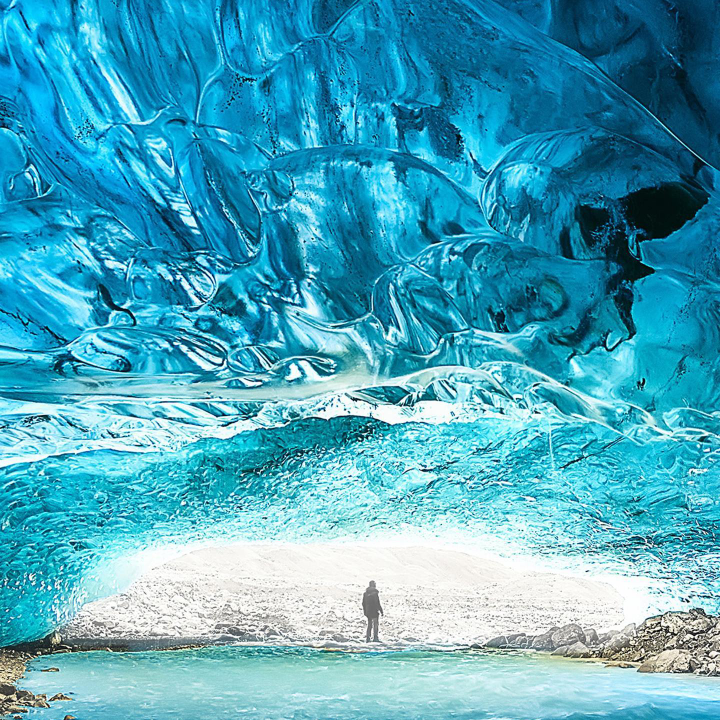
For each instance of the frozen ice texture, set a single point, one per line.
(300, 270)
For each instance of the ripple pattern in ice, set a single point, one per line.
(323, 268)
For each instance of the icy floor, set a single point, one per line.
(305, 593)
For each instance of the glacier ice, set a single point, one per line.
(326, 269)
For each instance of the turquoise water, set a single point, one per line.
(274, 683)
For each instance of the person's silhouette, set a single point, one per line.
(372, 609)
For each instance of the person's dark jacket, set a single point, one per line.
(371, 603)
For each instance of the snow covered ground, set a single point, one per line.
(308, 593)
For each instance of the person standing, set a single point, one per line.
(372, 609)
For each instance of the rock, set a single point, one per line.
(50, 669)
(69, 717)
(568, 635)
(37, 701)
(673, 623)
(59, 696)
(578, 650)
(7, 689)
(24, 695)
(668, 661)
(507, 641)
(543, 642)
(619, 664)
(651, 624)
(629, 630)
(700, 623)
(616, 644)
(52, 640)
(672, 642)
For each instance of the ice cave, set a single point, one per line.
(320, 270)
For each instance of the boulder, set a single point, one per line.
(629, 630)
(50, 669)
(672, 642)
(52, 640)
(674, 622)
(615, 645)
(668, 661)
(36, 701)
(512, 640)
(568, 634)
(650, 625)
(59, 696)
(578, 650)
(700, 623)
(7, 689)
(695, 621)
(543, 642)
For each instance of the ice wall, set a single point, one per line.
(317, 269)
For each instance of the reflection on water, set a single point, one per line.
(270, 683)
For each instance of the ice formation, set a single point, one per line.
(302, 269)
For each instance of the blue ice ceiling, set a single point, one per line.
(307, 270)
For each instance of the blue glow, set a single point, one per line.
(269, 683)
(299, 270)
